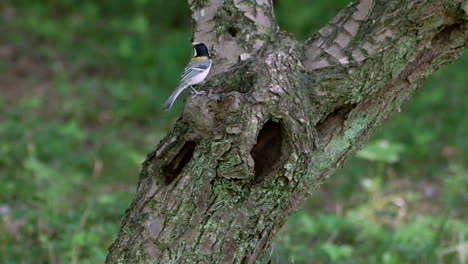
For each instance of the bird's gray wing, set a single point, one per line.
(193, 68)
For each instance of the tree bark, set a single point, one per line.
(279, 117)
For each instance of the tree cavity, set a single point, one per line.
(268, 150)
(175, 167)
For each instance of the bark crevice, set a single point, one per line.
(333, 123)
(177, 164)
(442, 43)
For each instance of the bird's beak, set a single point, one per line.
(195, 43)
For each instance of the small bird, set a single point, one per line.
(195, 72)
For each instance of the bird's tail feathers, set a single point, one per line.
(170, 101)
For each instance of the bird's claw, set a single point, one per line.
(195, 92)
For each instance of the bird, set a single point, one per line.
(194, 73)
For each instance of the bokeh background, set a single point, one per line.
(81, 89)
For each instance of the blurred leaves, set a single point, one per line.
(382, 150)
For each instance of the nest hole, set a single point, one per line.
(267, 152)
(175, 167)
(232, 31)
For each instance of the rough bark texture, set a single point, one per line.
(233, 29)
(278, 118)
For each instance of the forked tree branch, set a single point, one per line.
(278, 118)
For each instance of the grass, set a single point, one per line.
(81, 87)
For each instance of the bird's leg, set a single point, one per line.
(195, 92)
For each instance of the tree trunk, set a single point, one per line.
(279, 117)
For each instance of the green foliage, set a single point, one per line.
(81, 89)
(382, 151)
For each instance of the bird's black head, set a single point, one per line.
(200, 50)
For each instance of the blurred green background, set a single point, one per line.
(81, 89)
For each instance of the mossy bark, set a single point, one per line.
(273, 125)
